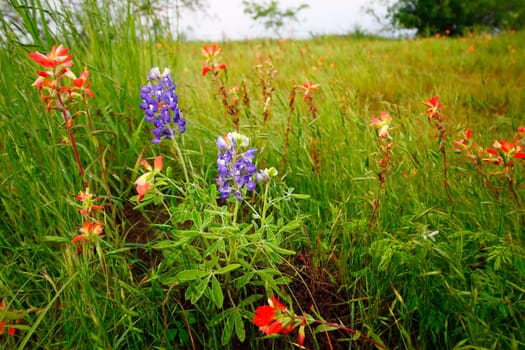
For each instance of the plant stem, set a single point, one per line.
(67, 118)
(445, 174)
(182, 161)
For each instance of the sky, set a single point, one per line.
(226, 20)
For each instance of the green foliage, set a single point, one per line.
(185, 271)
(271, 15)
(456, 16)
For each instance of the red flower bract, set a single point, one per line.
(269, 318)
(433, 107)
(57, 56)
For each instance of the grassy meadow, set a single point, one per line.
(383, 249)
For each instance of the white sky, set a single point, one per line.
(225, 19)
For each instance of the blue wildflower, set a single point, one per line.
(235, 167)
(161, 104)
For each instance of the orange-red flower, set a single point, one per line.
(87, 200)
(503, 152)
(211, 52)
(382, 125)
(214, 67)
(507, 149)
(88, 230)
(58, 55)
(269, 318)
(144, 182)
(460, 145)
(11, 330)
(433, 107)
(308, 88)
(82, 83)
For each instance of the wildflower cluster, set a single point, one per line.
(309, 88)
(437, 119)
(235, 166)
(59, 88)
(52, 88)
(267, 74)
(210, 65)
(92, 226)
(161, 104)
(385, 153)
(229, 96)
(502, 155)
(276, 318)
(56, 92)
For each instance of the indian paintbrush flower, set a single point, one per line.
(88, 205)
(433, 107)
(145, 181)
(161, 104)
(210, 65)
(88, 231)
(308, 88)
(273, 318)
(11, 330)
(437, 119)
(382, 125)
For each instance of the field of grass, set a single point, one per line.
(409, 256)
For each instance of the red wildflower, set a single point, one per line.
(144, 182)
(57, 56)
(86, 198)
(308, 88)
(269, 318)
(11, 330)
(210, 52)
(463, 144)
(214, 67)
(433, 107)
(88, 230)
(382, 125)
(503, 152)
(82, 83)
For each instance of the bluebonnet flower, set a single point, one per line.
(161, 104)
(235, 167)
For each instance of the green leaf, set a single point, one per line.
(239, 325)
(324, 328)
(227, 332)
(272, 248)
(191, 275)
(55, 239)
(199, 290)
(227, 268)
(216, 292)
(300, 196)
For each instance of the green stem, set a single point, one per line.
(265, 204)
(182, 161)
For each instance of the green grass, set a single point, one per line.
(464, 290)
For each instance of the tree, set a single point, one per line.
(457, 16)
(271, 15)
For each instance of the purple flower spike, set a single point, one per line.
(235, 167)
(161, 104)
